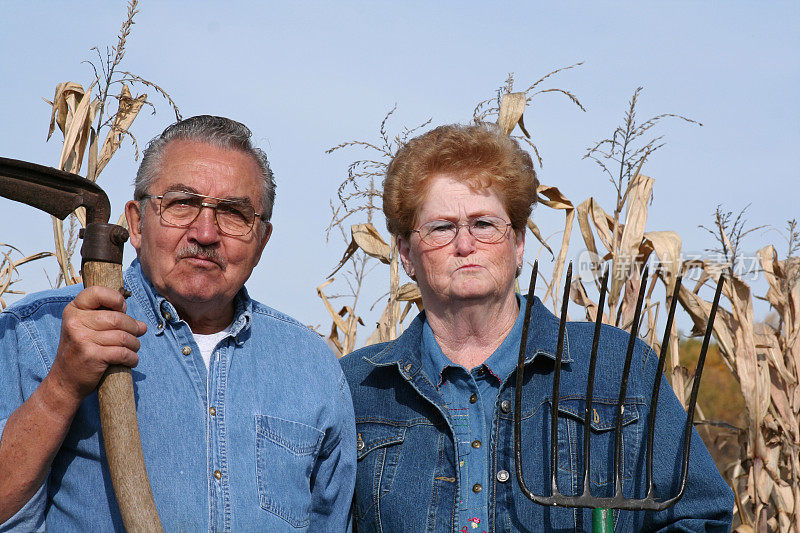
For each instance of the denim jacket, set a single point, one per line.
(263, 441)
(407, 477)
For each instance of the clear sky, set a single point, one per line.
(305, 76)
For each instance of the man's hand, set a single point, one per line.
(95, 333)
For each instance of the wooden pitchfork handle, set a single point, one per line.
(60, 193)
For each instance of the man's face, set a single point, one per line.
(198, 268)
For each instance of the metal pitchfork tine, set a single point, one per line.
(586, 499)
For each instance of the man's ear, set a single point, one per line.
(266, 235)
(133, 214)
(404, 246)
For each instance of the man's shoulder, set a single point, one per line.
(265, 314)
(49, 301)
(271, 323)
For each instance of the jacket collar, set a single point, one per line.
(405, 351)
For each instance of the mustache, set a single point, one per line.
(204, 252)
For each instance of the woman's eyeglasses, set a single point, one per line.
(486, 229)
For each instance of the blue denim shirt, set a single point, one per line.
(262, 441)
(471, 396)
(408, 478)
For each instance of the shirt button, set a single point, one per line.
(502, 476)
(476, 444)
(187, 350)
(505, 406)
(473, 398)
(217, 474)
(476, 488)
(212, 410)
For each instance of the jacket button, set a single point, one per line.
(168, 315)
(409, 366)
(476, 444)
(502, 476)
(473, 398)
(217, 474)
(505, 406)
(476, 488)
(160, 325)
(212, 410)
(186, 350)
(360, 443)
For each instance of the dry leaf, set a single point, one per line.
(128, 110)
(512, 107)
(366, 237)
(632, 232)
(538, 234)
(409, 292)
(667, 247)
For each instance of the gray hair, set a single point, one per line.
(218, 131)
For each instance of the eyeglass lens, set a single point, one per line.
(182, 208)
(485, 229)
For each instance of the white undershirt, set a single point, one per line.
(207, 343)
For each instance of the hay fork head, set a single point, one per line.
(650, 501)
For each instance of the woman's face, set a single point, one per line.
(466, 269)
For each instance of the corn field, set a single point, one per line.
(762, 356)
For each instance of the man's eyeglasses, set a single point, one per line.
(486, 229)
(179, 208)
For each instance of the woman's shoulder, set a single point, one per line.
(362, 361)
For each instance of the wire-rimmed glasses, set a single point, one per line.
(486, 229)
(234, 218)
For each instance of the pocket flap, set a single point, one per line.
(372, 435)
(604, 412)
(296, 437)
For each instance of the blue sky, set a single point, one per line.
(305, 76)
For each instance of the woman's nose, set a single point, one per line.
(464, 241)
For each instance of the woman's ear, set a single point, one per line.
(404, 246)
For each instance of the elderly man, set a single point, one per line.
(245, 417)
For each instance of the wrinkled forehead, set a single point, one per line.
(210, 170)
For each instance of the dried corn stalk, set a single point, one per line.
(8, 269)
(360, 194)
(82, 118)
(766, 362)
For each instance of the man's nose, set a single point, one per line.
(204, 229)
(464, 241)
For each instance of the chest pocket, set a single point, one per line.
(378, 446)
(603, 420)
(285, 455)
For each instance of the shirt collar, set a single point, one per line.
(500, 363)
(406, 350)
(159, 311)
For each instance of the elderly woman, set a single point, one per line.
(434, 408)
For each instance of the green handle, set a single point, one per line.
(602, 521)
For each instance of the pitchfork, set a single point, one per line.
(602, 519)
